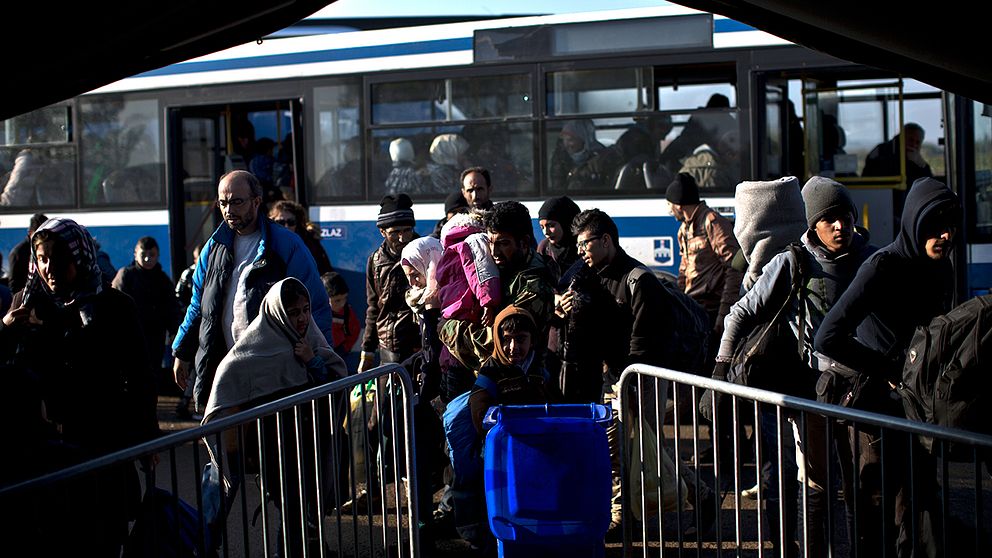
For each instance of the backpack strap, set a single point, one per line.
(632, 278)
(799, 276)
(796, 289)
(487, 383)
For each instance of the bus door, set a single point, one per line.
(781, 142)
(847, 126)
(212, 140)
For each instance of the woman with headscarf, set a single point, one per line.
(280, 353)
(404, 176)
(444, 168)
(84, 343)
(419, 261)
(576, 145)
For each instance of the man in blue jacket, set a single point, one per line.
(236, 267)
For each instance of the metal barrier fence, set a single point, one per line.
(309, 467)
(854, 483)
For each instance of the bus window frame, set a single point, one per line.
(895, 182)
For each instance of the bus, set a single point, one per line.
(656, 89)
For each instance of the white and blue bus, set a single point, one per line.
(143, 156)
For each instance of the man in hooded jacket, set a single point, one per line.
(833, 250)
(904, 285)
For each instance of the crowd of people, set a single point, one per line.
(479, 313)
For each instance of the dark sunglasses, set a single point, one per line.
(286, 222)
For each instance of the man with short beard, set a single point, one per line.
(244, 256)
(525, 278)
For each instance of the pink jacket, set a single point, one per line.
(467, 276)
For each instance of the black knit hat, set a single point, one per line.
(395, 211)
(823, 196)
(561, 209)
(454, 202)
(683, 190)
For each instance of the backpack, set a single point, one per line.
(770, 356)
(945, 379)
(692, 328)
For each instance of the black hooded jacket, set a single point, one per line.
(897, 289)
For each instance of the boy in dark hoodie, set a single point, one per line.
(903, 285)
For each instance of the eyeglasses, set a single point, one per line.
(286, 222)
(583, 245)
(233, 202)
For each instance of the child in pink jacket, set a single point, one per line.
(468, 279)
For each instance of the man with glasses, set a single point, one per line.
(244, 256)
(648, 325)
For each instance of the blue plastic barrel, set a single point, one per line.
(547, 479)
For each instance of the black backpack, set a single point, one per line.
(770, 356)
(692, 329)
(945, 378)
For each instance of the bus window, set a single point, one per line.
(122, 154)
(477, 97)
(411, 101)
(271, 157)
(983, 171)
(606, 154)
(426, 162)
(845, 124)
(38, 160)
(923, 106)
(689, 96)
(337, 160)
(498, 96)
(599, 91)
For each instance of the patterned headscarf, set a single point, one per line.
(79, 244)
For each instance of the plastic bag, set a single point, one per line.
(672, 485)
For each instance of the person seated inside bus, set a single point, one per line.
(447, 160)
(883, 160)
(282, 170)
(834, 159)
(490, 148)
(404, 177)
(344, 179)
(640, 169)
(575, 146)
(715, 168)
(706, 126)
(262, 165)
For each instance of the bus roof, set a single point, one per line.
(389, 49)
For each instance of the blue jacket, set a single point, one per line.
(281, 253)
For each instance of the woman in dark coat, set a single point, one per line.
(84, 343)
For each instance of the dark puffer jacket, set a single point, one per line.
(389, 322)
